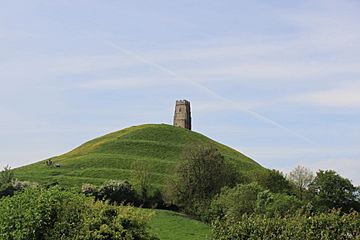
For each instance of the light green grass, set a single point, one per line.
(112, 157)
(169, 225)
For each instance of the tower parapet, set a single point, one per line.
(182, 116)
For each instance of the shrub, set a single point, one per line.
(89, 190)
(6, 175)
(117, 192)
(331, 225)
(32, 214)
(115, 223)
(37, 214)
(272, 204)
(9, 185)
(235, 201)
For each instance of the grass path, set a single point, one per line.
(175, 226)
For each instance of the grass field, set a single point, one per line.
(112, 157)
(175, 226)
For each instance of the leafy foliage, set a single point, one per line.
(121, 192)
(275, 204)
(198, 177)
(275, 181)
(324, 226)
(9, 185)
(330, 190)
(115, 223)
(236, 201)
(117, 192)
(6, 176)
(37, 214)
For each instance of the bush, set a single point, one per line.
(120, 192)
(37, 214)
(89, 190)
(234, 202)
(115, 223)
(331, 225)
(34, 213)
(273, 204)
(9, 185)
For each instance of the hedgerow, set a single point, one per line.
(323, 226)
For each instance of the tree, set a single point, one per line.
(301, 177)
(275, 181)
(200, 175)
(330, 190)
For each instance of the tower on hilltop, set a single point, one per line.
(182, 116)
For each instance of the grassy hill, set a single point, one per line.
(112, 156)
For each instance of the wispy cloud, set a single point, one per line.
(341, 97)
(126, 83)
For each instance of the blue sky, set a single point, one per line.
(276, 80)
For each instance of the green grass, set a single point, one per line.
(175, 226)
(112, 157)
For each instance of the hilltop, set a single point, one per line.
(112, 156)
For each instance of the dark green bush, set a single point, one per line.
(120, 192)
(324, 226)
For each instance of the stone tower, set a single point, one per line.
(182, 116)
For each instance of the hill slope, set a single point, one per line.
(112, 156)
